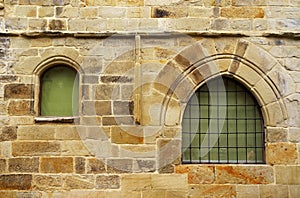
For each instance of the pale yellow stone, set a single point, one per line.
(136, 182)
(169, 181)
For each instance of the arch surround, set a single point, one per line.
(247, 63)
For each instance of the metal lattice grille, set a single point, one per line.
(222, 123)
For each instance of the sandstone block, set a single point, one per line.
(35, 148)
(67, 12)
(244, 174)
(169, 181)
(45, 11)
(95, 165)
(107, 182)
(79, 182)
(76, 25)
(2, 164)
(8, 133)
(107, 92)
(15, 23)
(80, 165)
(287, 175)
(36, 133)
(41, 42)
(118, 120)
(127, 135)
(89, 12)
(138, 151)
(15, 182)
(273, 191)
(130, 3)
(57, 24)
(119, 165)
(18, 91)
(123, 108)
(74, 148)
(276, 134)
(29, 165)
(169, 12)
(67, 133)
(47, 182)
(133, 182)
(18, 108)
(242, 12)
(37, 24)
(208, 190)
(294, 134)
(26, 11)
(197, 174)
(247, 191)
(112, 12)
(281, 153)
(168, 152)
(144, 166)
(57, 165)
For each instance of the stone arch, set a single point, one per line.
(248, 63)
(48, 63)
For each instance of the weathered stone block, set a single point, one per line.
(8, 133)
(47, 182)
(273, 191)
(127, 135)
(144, 166)
(18, 108)
(18, 91)
(57, 25)
(74, 148)
(95, 166)
(107, 92)
(107, 182)
(15, 23)
(206, 190)
(117, 120)
(15, 182)
(169, 12)
(45, 11)
(30, 165)
(138, 151)
(123, 108)
(169, 181)
(168, 152)
(276, 134)
(136, 182)
(287, 175)
(89, 12)
(80, 164)
(242, 12)
(26, 11)
(119, 165)
(2, 164)
(35, 148)
(79, 182)
(197, 174)
(57, 165)
(247, 191)
(281, 153)
(244, 174)
(36, 133)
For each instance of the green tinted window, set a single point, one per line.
(59, 92)
(222, 123)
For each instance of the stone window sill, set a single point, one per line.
(55, 119)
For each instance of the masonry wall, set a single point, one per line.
(131, 56)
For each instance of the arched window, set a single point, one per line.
(222, 123)
(59, 91)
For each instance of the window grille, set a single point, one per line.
(59, 92)
(222, 123)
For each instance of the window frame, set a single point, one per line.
(38, 73)
(263, 127)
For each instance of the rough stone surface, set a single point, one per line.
(57, 165)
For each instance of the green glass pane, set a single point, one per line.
(59, 92)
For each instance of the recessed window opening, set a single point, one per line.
(59, 92)
(239, 137)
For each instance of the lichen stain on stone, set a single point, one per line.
(160, 13)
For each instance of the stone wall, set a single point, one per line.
(132, 57)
